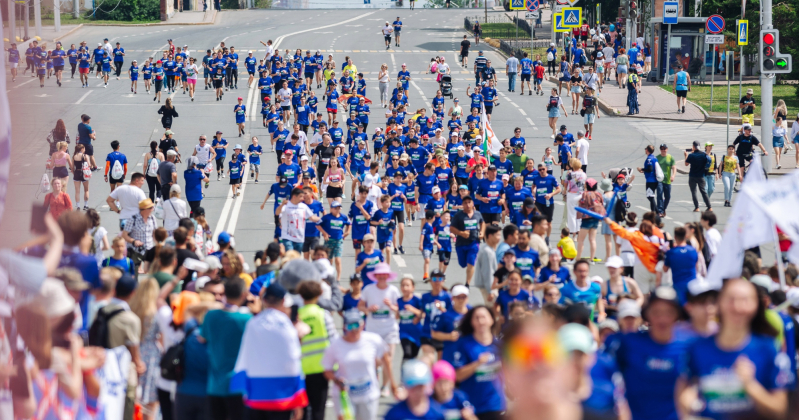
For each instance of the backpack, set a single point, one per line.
(152, 166)
(659, 173)
(87, 170)
(173, 362)
(98, 332)
(434, 68)
(588, 103)
(116, 171)
(710, 166)
(550, 56)
(591, 200)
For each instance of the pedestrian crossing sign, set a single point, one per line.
(743, 32)
(517, 5)
(559, 23)
(572, 17)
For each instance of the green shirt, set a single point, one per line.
(163, 278)
(666, 163)
(222, 330)
(519, 162)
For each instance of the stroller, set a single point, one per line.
(445, 85)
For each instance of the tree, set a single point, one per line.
(129, 10)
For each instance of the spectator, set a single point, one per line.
(139, 230)
(650, 175)
(125, 199)
(168, 173)
(58, 200)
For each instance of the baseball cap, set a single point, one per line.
(443, 370)
(562, 127)
(175, 188)
(696, 143)
(505, 177)
(663, 146)
(126, 285)
(218, 132)
(492, 167)
(283, 180)
(304, 157)
(436, 190)
(275, 290)
(529, 202)
(459, 290)
(614, 261)
(415, 373)
(223, 238)
(747, 127)
(665, 294)
(368, 237)
(171, 153)
(306, 175)
(463, 187)
(628, 307)
(461, 148)
(352, 316)
(335, 204)
(709, 143)
(610, 324)
(763, 280)
(576, 337)
(240, 98)
(169, 132)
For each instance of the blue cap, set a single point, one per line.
(415, 372)
(335, 204)
(275, 290)
(223, 238)
(126, 285)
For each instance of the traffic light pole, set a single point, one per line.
(766, 89)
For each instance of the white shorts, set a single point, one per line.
(648, 59)
(366, 410)
(13, 65)
(390, 337)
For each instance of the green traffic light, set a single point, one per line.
(782, 63)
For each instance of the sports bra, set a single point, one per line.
(62, 161)
(334, 178)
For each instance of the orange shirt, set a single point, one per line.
(58, 204)
(647, 251)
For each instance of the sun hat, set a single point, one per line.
(146, 204)
(54, 298)
(606, 185)
(381, 268)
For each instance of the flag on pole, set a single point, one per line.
(491, 143)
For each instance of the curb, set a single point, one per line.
(68, 33)
(211, 22)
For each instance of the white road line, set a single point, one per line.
(400, 261)
(220, 225)
(282, 37)
(522, 111)
(234, 218)
(83, 97)
(530, 121)
(251, 101)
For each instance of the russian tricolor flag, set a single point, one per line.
(268, 370)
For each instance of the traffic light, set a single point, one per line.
(771, 61)
(633, 13)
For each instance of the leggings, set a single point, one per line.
(155, 188)
(118, 66)
(73, 65)
(383, 92)
(551, 67)
(29, 65)
(170, 83)
(232, 77)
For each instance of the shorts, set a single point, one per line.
(88, 149)
(427, 253)
(217, 84)
(525, 77)
(285, 108)
(778, 142)
(251, 72)
(564, 166)
(291, 245)
(591, 223)
(387, 38)
(546, 211)
(467, 254)
(429, 341)
(334, 245)
(334, 192)
(310, 243)
(13, 65)
(255, 167)
(489, 109)
(83, 70)
(106, 72)
(538, 81)
(621, 69)
(399, 216)
(192, 81)
(681, 93)
(589, 118)
(58, 68)
(576, 89)
(357, 244)
(391, 337)
(748, 119)
(492, 217)
(409, 349)
(63, 172)
(308, 75)
(648, 59)
(112, 180)
(444, 256)
(389, 242)
(235, 181)
(332, 111)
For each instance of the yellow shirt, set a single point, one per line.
(352, 69)
(566, 247)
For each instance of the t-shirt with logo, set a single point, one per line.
(360, 223)
(493, 190)
(334, 226)
(293, 219)
(464, 222)
(409, 329)
(382, 320)
(485, 387)
(235, 167)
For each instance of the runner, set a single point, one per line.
(241, 115)
(387, 30)
(682, 85)
(236, 170)
(57, 56)
(398, 28)
(133, 74)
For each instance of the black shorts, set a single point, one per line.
(383, 245)
(235, 181)
(285, 107)
(218, 84)
(436, 344)
(489, 109)
(387, 37)
(334, 192)
(444, 256)
(399, 215)
(112, 180)
(251, 72)
(89, 149)
(546, 211)
(58, 68)
(492, 217)
(526, 77)
(461, 181)
(564, 166)
(308, 75)
(310, 243)
(409, 349)
(682, 93)
(464, 54)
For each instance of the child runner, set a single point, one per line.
(368, 259)
(255, 150)
(427, 240)
(235, 170)
(378, 302)
(410, 318)
(133, 74)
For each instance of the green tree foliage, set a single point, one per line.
(128, 10)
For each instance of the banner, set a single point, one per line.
(491, 143)
(747, 227)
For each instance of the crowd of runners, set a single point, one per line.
(168, 320)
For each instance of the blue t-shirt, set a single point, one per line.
(385, 227)
(562, 276)
(650, 371)
(603, 386)
(570, 293)
(349, 302)
(371, 259)
(400, 411)
(360, 222)
(398, 202)
(194, 187)
(492, 190)
(280, 193)
(682, 262)
(436, 205)
(527, 261)
(447, 322)
(58, 57)
(195, 380)
(430, 309)
(527, 65)
(407, 328)
(125, 264)
(484, 388)
(428, 236)
(545, 185)
(563, 152)
(119, 54)
(255, 159)
(443, 236)
(235, 167)
(515, 198)
(291, 172)
(719, 386)
(505, 299)
(114, 157)
(221, 152)
(453, 408)
(503, 168)
(334, 226)
(310, 227)
(240, 111)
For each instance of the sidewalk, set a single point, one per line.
(788, 162)
(653, 102)
(48, 32)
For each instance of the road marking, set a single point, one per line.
(234, 218)
(530, 121)
(522, 111)
(400, 261)
(83, 97)
(282, 37)
(220, 225)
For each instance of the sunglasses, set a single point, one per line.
(352, 326)
(530, 352)
(437, 279)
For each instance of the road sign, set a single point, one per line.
(532, 15)
(562, 2)
(532, 5)
(516, 4)
(559, 23)
(559, 8)
(715, 24)
(572, 17)
(670, 10)
(743, 32)
(714, 39)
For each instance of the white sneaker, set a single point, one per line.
(223, 176)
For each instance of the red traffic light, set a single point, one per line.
(768, 38)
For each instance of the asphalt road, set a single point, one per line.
(119, 115)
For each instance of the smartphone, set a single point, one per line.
(689, 150)
(37, 218)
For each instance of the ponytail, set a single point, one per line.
(153, 148)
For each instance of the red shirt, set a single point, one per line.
(539, 72)
(584, 29)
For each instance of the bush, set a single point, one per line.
(129, 10)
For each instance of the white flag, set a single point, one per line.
(491, 143)
(778, 198)
(747, 227)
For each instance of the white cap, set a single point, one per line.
(596, 279)
(201, 282)
(792, 297)
(171, 152)
(436, 190)
(699, 285)
(304, 157)
(765, 281)
(628, 307)
(614, 261)
(505, 176)
(461, 148)
(175, 188)
(459, 290)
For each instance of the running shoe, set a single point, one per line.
(402, 250)
(599, 260)
(131, 89)
(105, 86)
(207, 184)
(218, 177)
(395, 251)
(252, 175)
(683, 109)
(256, 181)
(223, 175)
(154, 98)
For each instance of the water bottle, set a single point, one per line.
(347, 412)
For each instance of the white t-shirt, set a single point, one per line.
(381, 322)
(98, 236)
(191, 71)
(442, 68)
(591, 80)
(387, 30)
(285, 96)
(169, 337)
(203, 153)
(301, 142)
(356, 365)
(270, 51)
(129, 197)
(292, 221)
(174, 210)
(713, 239)
(608, 53)
(583, 145)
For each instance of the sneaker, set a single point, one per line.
(530, 93)
(256, 181)
(402, 250)
(395, 251)
(779, 166)
(207, 184)
(683, 109)
(154, 98)
(223, 175)
(218, 177)
(85, 208)
(599, 260)
(105, 86)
